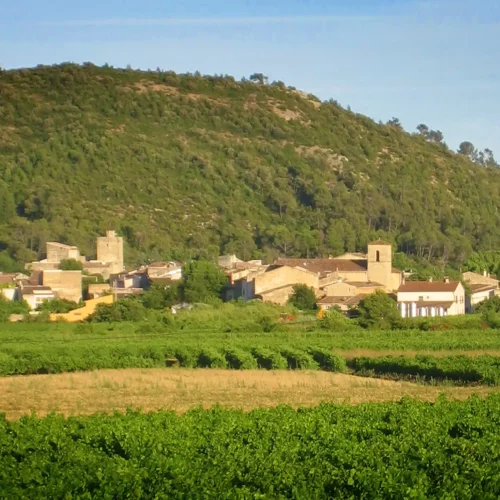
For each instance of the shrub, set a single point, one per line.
(122, 310)
(71, 265)
(238, 359)
(269, 360)
(210, 358)
(328, 360)
(303, 298)
(378, 310)
(299, 360)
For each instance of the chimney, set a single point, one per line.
(446, 279)
(430, 279)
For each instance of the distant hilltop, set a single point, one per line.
(190, 166)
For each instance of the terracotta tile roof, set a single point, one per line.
(481, 288)
(429, 286)
(30, 290)
(364, 284)
(354, 301)
(325, 266)
(348, 301)
(332, 300)
(7, 278)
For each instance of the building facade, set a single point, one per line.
(110, 250)
(431, 298)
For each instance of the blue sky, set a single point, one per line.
(423, 61)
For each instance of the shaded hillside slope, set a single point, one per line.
(189, 165)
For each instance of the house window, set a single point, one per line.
(377, 256)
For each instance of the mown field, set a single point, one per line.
(390, 450)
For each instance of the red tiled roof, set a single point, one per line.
(364, 284)
(429, 286)
(348, 301)
(325, 266)
(7, 278)
(481, 288)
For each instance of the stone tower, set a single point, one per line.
(110, 249)
(380, 263)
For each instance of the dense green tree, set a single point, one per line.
(8, 307)
(378, 310)
(203, 281)
(303, 298)
(57, 306)
(71, 265)
(129, 309)
(189, 166)
(162, 296)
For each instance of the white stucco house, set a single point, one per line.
(431, 298)
(478, 294)
(35, 295)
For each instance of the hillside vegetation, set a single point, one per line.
(186, 166)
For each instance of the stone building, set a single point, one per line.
(109, 256)
(334, 280)
(110, 250)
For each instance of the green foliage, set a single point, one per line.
(405, 449)
(484, 261)
(71, 265)
(208, 165)
(490, 311)
(462, 369)
(303, 298)
(328, 361)
(58, 306)
(335, 320)
(55, 348)
(239, 359)
(121, 310)
(490, 305)
(377, 310)
(162, 296)
(8, 307)
(202, 282)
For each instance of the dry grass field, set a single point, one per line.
(182, 389)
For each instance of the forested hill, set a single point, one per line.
(184, 165)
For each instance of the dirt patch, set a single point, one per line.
(279, 108)
(145, 86)
(181, 389)
(305, 96)
(251, 103)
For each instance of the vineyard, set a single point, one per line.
(331, 451)
(38, 349)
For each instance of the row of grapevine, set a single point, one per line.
(391, 450)
(481, 369)
(161, 354)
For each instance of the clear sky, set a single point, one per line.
(423, 61)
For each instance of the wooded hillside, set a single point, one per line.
(185, 165)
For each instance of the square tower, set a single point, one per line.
(110, 249)
(379, 265)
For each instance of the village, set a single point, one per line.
(338, 282)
